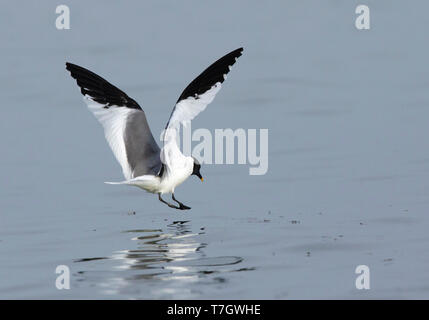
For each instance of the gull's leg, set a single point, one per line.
(182, 206)
(168, 204)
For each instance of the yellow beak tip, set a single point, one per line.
(202, 179)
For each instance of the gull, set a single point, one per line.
(144, 164)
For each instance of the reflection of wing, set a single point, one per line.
(124, 122)
(197, 95)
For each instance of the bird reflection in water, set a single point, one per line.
(165, 264)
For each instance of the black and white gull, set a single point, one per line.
(144, 164)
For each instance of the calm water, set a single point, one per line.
(347, 113)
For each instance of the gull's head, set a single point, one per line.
(196, 169)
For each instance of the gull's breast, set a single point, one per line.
(174, 178)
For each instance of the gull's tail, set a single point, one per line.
(148, 182)
(121, 182)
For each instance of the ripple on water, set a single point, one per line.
(169, 263)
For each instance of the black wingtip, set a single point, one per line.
(73, 68)
(99, 89)
(69, 66)
(239, 51)
(214, 73)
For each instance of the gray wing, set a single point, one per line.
(143, 152)
(124, 122)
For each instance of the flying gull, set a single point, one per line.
(127, 131)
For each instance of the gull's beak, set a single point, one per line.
(198, 174)
(202, 179)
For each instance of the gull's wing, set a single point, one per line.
(196, 96)
(124, 122)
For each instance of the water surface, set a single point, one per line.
(347, 113)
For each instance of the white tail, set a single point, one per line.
(122, 182)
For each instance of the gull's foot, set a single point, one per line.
(184, 207)
(181, 205)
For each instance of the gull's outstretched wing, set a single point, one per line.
(124, 122)
(196, 96)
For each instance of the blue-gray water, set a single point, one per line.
(347, 185)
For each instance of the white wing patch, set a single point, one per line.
(187, 109)
(192, 101)
(113, 119)
(184, 111)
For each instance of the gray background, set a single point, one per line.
(347, 113)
